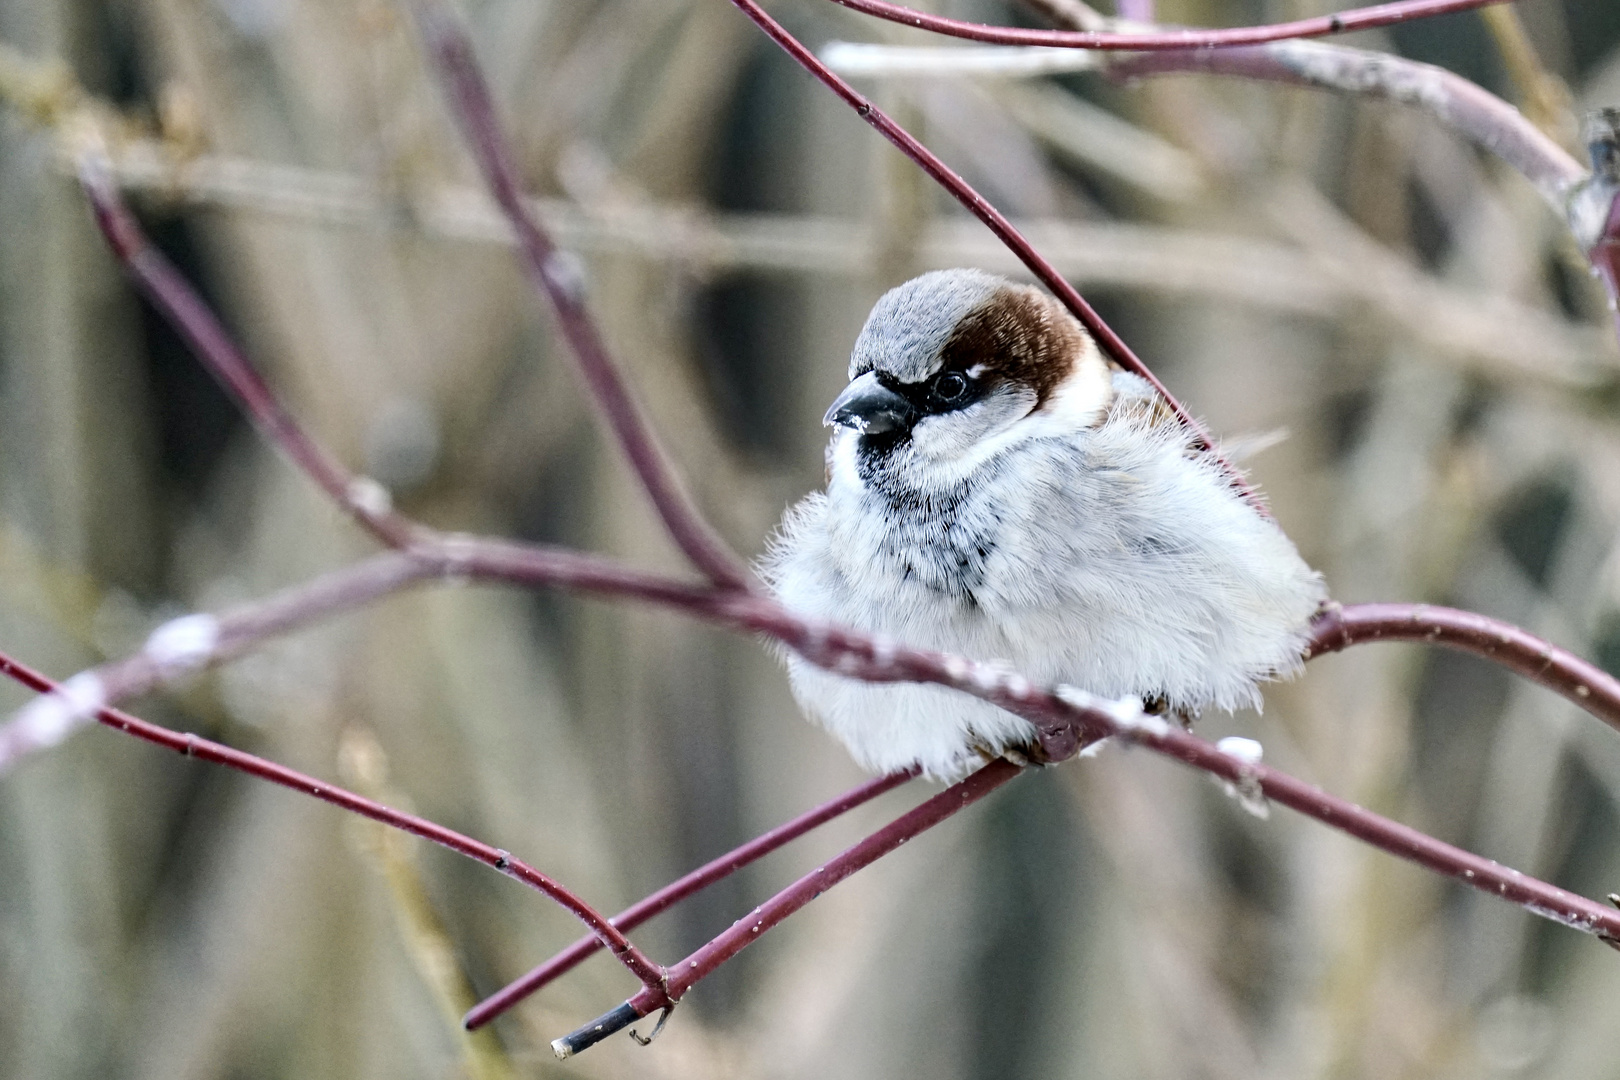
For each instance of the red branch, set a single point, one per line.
(1367, 18)
(650, 975)
(979, 207)
(1583, 683)
(169, 291)
(676, 891)
(560, 277)
(1066, 719)
(745, 931)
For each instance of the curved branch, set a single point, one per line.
(649, 974)
(1367, 18)
(1583, 683)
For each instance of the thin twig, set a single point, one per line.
(745, 931)
(560, 278)
(648, 973)
(1112, 344)
(1367, 18)
(189, 643)
(678, 890)
(1559, 670)
(1589, 203)
(365, 500)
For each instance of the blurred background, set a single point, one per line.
(1395, 332)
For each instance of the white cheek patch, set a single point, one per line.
(1080, 400)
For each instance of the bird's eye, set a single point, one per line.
(950, 387)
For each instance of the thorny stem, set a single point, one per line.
(1367, 18)
(979, 207)
(678, 890)
(559, 276)
(648, 973)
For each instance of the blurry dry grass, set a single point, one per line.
(1405, 309)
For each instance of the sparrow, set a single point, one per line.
(997, 489)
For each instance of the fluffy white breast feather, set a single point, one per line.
(1052, 515)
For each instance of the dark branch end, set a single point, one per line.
(594, 1032)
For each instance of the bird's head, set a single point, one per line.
(955, 365)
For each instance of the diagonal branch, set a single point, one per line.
(742, 933)
(365, 500)
(1112, 344)
(560, 278)
(678, 890)
(650, 975)
(1460, 104)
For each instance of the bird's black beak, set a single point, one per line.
(871, 408)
